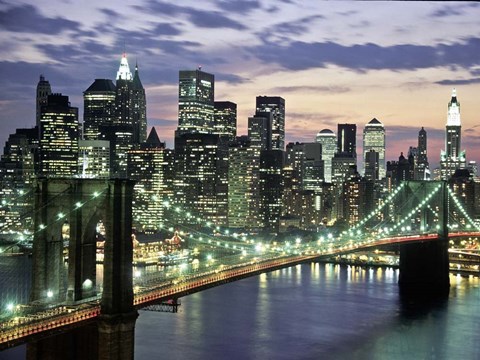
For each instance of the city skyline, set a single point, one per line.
(331, 64)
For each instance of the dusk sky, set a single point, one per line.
(333, 62)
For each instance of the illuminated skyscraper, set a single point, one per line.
(94, 158)
(98, 108)
(129, 127)
(59, 135)
(225, 119)
(276, 106)
(422, 171)
(43, 90)
(374, 139)
(347, 140)
(452, 157)
(149, 166)
(196, 106)
(328, 140)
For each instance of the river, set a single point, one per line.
(312, 311)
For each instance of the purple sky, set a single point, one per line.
(333, 62)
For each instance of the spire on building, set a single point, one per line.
(453, 116)
(137, 84)
(123, 72)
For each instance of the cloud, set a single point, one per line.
(296, 27)
(455, 10)
(230, 78)
(309, 89)
(166, 29)
(239, 6)
(459, 81)
(27, 19)
(201, 18)
(299, 55)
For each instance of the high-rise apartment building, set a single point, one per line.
(98, 108)
(276, 106)
(225, 119)
(452, 157)
(327, 138)
(59, 135)
(196, 94)
(43, 90)
(374, 139)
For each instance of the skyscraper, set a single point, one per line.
(327, 138)
(276, 106)
(98, 108)
(59, 134)
(43, 90)
(347, 140)
(130, 102)
(422, 171)
(225, 119)
(374, 139)
(196, 94)
(452, 157)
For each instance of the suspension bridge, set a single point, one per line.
(418, 218)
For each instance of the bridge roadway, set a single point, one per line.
(56, 319)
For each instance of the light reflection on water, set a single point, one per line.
(312, 311)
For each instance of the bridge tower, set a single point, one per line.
(70, 209)
(424, 266)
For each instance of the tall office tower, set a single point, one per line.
(327, 138)
(452, 157)
(43, 90)
(374, 139)
(258, 131)
(422, 171)
(17, 171)
(473, 168)
(306, 160)
(202, 176)
(225, 119)
(271, 189)
(347, 140)
(371, 165)
(243, 185)
(98, 108)
(196, 94)
(147, 166)
(59, 134)
(358, 199)
(94, 159)
(139, 110)
(130, 121)
(276, 106)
